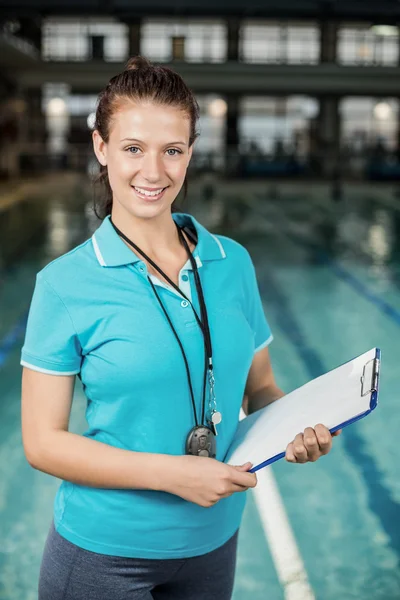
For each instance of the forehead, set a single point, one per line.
(149, 119)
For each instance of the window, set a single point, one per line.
(368, 121)
(84, 39)
(368, 45)
(272, 125)
(193, 40)
(279, 43)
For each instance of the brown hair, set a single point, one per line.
(141, 80)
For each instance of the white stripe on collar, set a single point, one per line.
(97, 251)
(187, 265)
(220, 246)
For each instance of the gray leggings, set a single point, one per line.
(69, 572)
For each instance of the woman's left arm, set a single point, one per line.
(262, 390)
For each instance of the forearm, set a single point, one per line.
(262, 398)
(91, 463)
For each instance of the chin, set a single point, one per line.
(149, 211)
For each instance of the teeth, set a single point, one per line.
(147, 193)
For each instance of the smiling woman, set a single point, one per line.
(164, 324)
(144, 133)
(148, 113)
(152, 165)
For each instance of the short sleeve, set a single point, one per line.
(254, 308)
(51, 344)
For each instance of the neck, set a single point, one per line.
(154, 236)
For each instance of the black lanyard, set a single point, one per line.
(203, 323)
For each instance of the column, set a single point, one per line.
(37, 134)
(329, 136)
(398, 99)
(398, 45)
(233, 35)
(232, 133)
(134, 36)
(9, 157)
(328, 41)
(398, 130)
(31, 30)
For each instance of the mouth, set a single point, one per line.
(149, 197)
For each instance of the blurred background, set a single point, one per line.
(298, 159)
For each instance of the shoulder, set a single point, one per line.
(228, 248)
(73, 266)
(233, 250)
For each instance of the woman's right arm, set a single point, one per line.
(51, 448)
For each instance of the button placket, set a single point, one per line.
(184, 282)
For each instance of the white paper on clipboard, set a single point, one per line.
(335, 399)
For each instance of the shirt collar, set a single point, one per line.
(111, 251)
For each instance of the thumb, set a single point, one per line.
(246, 467)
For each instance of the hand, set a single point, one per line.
(205, 481)
(311, 445)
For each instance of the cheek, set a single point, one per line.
(177, 170)
(119, 170)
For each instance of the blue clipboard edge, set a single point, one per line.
(372, 404)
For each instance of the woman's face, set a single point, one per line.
(148, 148)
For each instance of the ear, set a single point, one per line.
(99, 147)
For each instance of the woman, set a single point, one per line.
(163, 323)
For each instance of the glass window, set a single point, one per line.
(269, 126)
(211, 125)
(194, 40)
(81, 105)
(73, 40)
(368, 121)
(281, 43)
(368, 45)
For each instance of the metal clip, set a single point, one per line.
(370, 377)
(212, 402)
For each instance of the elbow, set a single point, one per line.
(34, 453)
(32, 456)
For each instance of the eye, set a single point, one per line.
(174, 150)
(133, 147)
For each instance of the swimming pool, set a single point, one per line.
(329, 275)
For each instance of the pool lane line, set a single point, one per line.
(347, 277)
(343, 274)
(279, 534)
(280, 537)
(10, 340)
(379, 497)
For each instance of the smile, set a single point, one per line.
(147, 195)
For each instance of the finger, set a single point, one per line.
(246, 467)
(234, 488)
(324, 438)
(243, 479)
(299, 449)
(290, 457)
(311, 444)
(338, 432)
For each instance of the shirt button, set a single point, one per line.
(185, 278)
(142, 268)
(184, 303)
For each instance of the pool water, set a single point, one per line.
(329, 276)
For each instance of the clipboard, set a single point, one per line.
(336, 399)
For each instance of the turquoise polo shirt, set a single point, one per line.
(94, 313)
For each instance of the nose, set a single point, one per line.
(152, 167)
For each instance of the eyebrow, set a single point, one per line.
(140, 141)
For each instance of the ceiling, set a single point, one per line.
(384, 11)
